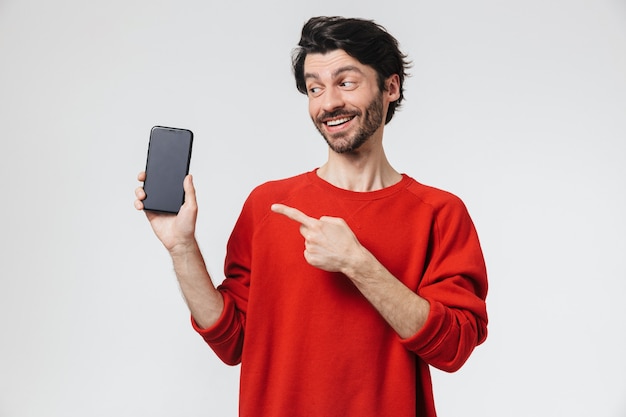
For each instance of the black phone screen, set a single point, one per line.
(169, 155)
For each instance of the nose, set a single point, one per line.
(333, 100)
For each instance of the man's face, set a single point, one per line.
(345, 102)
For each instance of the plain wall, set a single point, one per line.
(517, 107)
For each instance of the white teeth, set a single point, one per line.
(337, 121)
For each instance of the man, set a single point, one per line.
(345, 283)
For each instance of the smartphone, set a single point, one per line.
(169, 155)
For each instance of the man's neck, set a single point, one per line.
(363, 170)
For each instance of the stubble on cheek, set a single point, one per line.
(343, 142)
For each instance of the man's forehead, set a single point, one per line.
(331, 62)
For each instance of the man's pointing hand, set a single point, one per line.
(329, 242)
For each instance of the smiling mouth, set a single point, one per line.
(337, 122)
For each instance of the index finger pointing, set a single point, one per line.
(292, 213)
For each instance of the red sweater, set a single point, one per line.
(308, 342)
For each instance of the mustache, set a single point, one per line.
(336, 114)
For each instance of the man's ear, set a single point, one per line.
(392, 87)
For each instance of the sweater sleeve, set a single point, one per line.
(226, 336)
(455, 285)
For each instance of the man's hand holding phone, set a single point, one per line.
(175, 231)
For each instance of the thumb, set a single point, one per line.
(190, 190)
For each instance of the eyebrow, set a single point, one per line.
(337, 72)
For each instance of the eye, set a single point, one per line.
(314, 90)
(348, 85)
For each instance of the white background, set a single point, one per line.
(517, 107)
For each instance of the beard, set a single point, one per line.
(344, 142)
